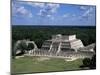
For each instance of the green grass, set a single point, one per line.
(30, 64)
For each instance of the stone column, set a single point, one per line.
(59, 48)
(50, 47)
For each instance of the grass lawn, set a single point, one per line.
(31, 64)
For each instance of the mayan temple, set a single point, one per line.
(62, 43)
(61, 46)
(65, 46)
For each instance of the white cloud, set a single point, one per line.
(70, 16)
(42, 12)
(48, 15)
(83, 7)
(53, 7)
(24, 12)
(48, 9)
(66, 15)
(20, 9)
(45, 9)
(88, 12)
(41, 5)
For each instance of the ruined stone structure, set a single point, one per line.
(27, 42)
(63, 46)
(62, 43)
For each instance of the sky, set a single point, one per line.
(36, 13)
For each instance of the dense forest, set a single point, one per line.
(40, 33)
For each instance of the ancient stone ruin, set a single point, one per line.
(62, 46)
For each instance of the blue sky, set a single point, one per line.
(35, 13)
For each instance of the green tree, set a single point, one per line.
(30, 46)
(39, 42)
(90, 63)
(86, 62)
(93, 62)
(22, 47)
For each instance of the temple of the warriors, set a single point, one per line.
(62, 43)
(63, 46)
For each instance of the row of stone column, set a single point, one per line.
(62, 54)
